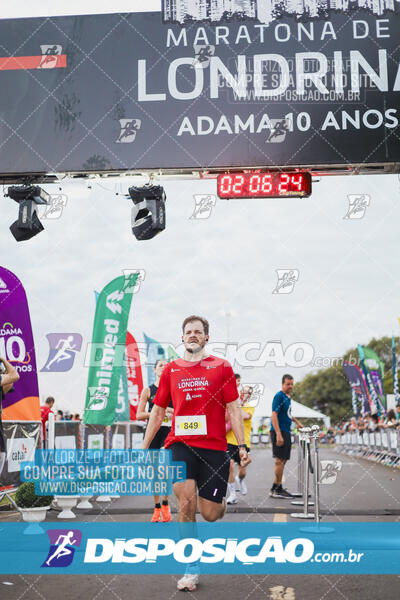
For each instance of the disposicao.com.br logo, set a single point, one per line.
(247, 551)
(217, 548)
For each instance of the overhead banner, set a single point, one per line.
(107, 351)
(358, 388)
(134, 375)
(17, 346)
(205, 84)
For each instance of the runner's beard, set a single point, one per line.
(195, 350)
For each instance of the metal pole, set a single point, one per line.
(315, 430)
(299, 492)
(305, 515)
(303, 436)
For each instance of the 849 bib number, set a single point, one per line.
(191, 425)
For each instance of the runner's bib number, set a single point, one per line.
(191, 425)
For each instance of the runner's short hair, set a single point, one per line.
(196, 318)
(159, 360)
(49, 400)
(286, 376)
(238, 376)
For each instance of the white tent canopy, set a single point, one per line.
(298, 410)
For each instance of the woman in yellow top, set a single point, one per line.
(233, 449)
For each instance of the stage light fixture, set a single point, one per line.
(148, 211)
(28, 197)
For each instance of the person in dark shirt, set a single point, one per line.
(281, 423)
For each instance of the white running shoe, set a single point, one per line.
(188, 583)
(232, 499)
(241, 485)
(237, 484)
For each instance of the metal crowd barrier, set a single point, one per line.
(379, 446)
(75, 435)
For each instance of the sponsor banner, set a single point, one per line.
(17, 346)
(134, 375)
(22, 439)
(119, 436)
(253, 548)
(107, 351)
(373, 372)
(155, 352)
(395, 373)
(67, 434)
(95, 437)
(122, 408)
(259, 83)
(358, 388)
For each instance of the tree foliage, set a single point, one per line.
(328, 390)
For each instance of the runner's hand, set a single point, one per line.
(279, 440)
(244, 457)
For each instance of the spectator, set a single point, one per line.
(391, 420)
(45, 410)
(398, 415)
(76, 417)
(373, 424)
(59, 415)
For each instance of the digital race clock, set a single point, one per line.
(264, 185)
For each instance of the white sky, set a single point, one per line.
(347, 292)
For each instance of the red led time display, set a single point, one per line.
(264, 185)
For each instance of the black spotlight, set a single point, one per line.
(28, 197)
(148, 211)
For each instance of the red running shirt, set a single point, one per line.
(199, 392)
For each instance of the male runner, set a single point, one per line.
(281, 422)
(201, 387)
(248, 412)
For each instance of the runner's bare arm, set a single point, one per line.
(245, 415)
(11, 374)
(236, 417)
(275, 424)
(141, 413)
(156, 418)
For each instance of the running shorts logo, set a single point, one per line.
(63, 543)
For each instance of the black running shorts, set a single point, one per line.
(233, 452)
(282, 452)
(209, 469)
(158, 440)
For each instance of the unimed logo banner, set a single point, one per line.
(247, 548)
(202, 84)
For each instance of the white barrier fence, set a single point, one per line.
(380, 446)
